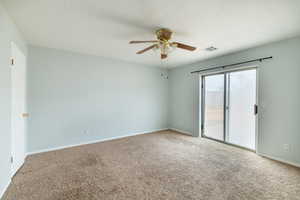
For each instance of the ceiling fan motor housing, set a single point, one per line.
(164, 34)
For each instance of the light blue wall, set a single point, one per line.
(8, 33)
(74, 98)
(279, 97)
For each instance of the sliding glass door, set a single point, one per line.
(242, 99)
(228, 107)
(214, 106)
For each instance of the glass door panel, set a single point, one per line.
(241, 101)
(214, 106)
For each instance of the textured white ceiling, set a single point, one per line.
(104, 27)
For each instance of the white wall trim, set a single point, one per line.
(260, 154)
(94, 141)
(181, 131)
(4, 189)
(140, 133)
(279, 160)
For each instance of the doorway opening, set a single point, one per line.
(229, 108)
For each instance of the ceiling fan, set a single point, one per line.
(163, 44)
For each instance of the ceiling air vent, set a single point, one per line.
(211, 48)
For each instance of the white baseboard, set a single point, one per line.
(92, 142)
(260, 154)
(279, 160)
(181, 131)
(4, 189)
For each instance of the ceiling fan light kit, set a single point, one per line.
(163, 44)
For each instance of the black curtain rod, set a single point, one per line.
(234, 64)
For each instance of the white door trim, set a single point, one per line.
(18, 108)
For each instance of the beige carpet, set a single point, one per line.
(163, 165)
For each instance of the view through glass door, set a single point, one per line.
(228, 107)
(214, 106)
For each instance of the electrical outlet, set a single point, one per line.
(286, 147)
(86, 132)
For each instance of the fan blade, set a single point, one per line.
(163, 56)
(147, 49)
(146, 41)
(184, 46)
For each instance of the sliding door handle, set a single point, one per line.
(255, 109)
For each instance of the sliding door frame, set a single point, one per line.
(225, 105)
(203, 106)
